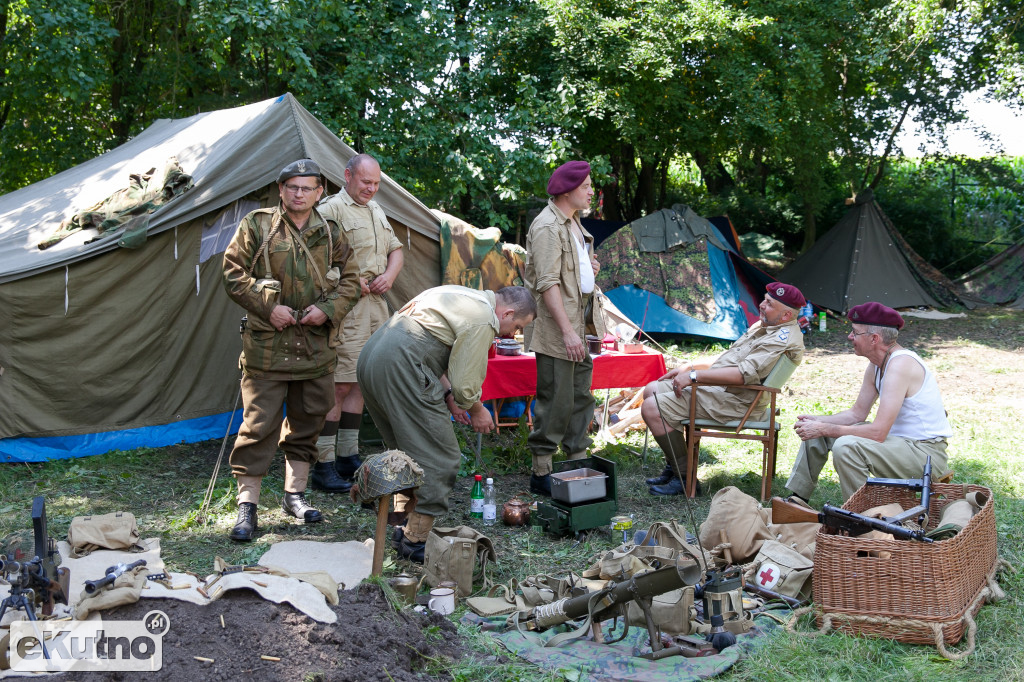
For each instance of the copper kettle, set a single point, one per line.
(515, 512)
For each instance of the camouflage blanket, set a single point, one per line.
(127, 209)
(477, 258)
(584, 661)
(681, 276)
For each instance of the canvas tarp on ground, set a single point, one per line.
(103, 347)
(695, 288)
(864, 258)
(999, 280)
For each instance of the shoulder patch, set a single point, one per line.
(783, 334)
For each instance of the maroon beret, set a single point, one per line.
(786, 294)
(568, 177)
(875, 314)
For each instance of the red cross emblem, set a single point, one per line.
(769, 575)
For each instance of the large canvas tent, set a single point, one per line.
(104, 347)
(675, 272)
(864, 258)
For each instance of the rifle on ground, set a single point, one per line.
(111, 574)
(612, 602)
(857, 524)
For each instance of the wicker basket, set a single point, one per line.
(901, 589)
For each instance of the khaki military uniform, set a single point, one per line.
(444, 330)
(291, 367)
(564, 406)
(372, 239)
(755, 354)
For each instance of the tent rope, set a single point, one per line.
(202, 517)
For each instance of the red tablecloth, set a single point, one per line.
(509, 376)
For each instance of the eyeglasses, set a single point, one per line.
(861, 333)
(299, 189)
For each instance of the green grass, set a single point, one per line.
(980, 365)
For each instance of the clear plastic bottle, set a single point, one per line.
(490, 503)
(476, 499)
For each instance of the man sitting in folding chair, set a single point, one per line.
(722, 397)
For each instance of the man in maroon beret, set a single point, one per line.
(909, 425)
(748, 361)
(560, 270)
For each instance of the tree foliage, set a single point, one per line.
(782, 105)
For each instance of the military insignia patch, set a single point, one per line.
(783, 335)
(302, 166)
(780, 292)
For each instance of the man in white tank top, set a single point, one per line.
(909, 425)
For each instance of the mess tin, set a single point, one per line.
(508, 347)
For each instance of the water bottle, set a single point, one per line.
(490, 504)
(476, 499)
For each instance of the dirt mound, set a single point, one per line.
(370, 641)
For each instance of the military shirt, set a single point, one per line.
(756, 352)
(367, 230)
(297, 352)
(464, 320)
(551, 258)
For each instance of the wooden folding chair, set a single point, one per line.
(768, 431)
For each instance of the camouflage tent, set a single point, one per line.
(675, 272)
(104, 347)
(999, 280)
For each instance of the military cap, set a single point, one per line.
(875, 314)
(303, 168)
(568, 177)
(786, 294)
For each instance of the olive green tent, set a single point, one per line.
(124, 337)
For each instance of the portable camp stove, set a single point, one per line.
(574, 505)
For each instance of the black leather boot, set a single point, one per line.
(661, 479)
(676, 486)
(296, 505)
(245, 526)
(346, 466)
(540, 485)
(413, 551)
(325, 478)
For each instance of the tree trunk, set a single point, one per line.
(716, 178)
(810, 227)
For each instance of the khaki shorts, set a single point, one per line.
(715, 403)
(368, 316)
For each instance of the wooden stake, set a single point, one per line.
(222, 622)
(275, 659)
(203, 659)
(383, 506)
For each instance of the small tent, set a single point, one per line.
(104, 347)
(675, 272)
(864, 258)
(999, 280)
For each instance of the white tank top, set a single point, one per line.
(586, 269)
(922, 416)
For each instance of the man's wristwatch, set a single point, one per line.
(693, 376)
(447, 393)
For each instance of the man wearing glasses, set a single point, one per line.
(296, 277)
(909, 425)
(378, 254)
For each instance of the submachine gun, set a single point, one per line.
(611, 602)
(856, 524)
(38, 581)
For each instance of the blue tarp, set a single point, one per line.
(66, 447)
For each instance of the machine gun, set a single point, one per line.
(37, 582)
(611, 602)
(857, 524)
(111, 574)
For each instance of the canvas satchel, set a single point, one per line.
(742, 518)
(781, 569)
(672, 612)
(454, 554)
(117, 530)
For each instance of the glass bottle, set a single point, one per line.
(476, 499)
